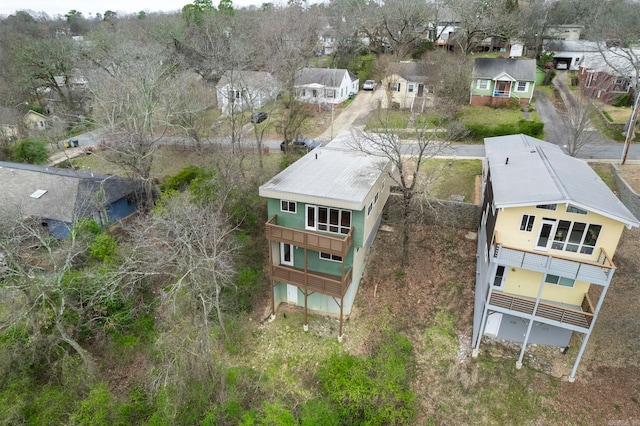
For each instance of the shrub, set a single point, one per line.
(103, 247)
(30, 150)
(182, 179)
(372, 390)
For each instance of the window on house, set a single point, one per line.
(328, 219)
(332, 257)
(395, 87)
(288, 206)
(482, 84)
(522, 86)
(304, 92)
(329, 93)
(383, 183)
(576, 210)
(375, 199)
(410, 88)
(576, 237)
(314, 93)
(527, 222)
(557, 280)
(369, 208)
(547, 206)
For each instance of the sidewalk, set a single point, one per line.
(64, 154)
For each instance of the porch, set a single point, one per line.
(548, 312)
(598, 272)
(336, 244)
(331, 285)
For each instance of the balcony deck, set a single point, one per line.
(598, 272)
(333, 244)
(546, 310)
(331, 285)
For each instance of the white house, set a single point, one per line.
(240, 90)
(325, 85)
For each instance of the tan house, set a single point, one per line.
(405, 86)
(14, 124)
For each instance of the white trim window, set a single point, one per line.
(557, 280)
(527, 222)
(576, 210)
(287, 206)
(410, 88)
(522, 86)
(395, 87)
(576, 237)
(327, 219)
(482, 84)
(330, 257)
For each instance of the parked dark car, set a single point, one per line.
(258, 117)
(301, 143)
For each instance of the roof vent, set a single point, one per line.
(507, 161)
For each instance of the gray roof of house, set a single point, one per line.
(329, 77)
(538, 172)
(336, 177)
(246, 79)
(410, 71)
(69, 193)
(519, 69)
(10, 116)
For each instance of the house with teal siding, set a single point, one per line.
(496, 81)
(324, 211)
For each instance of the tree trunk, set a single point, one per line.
(406, 198)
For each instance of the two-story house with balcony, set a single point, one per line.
(550, 227)
(495, 81)
(324, 211)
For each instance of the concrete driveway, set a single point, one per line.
(355, 115)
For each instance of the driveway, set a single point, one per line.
(354, 116)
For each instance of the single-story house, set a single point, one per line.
(405, 86)
(497, 80)
(59, 197)
(240, 90)
(609, 74)
(325, 85)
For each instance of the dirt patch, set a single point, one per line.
(631, 174)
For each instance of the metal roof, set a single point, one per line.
(335, 177)
(519, 69)
(526, 171)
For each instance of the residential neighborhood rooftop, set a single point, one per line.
(518, 69)
(343, 176)
(528, 171)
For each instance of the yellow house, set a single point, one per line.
(405, 86)
(550, 227)
(34, 121)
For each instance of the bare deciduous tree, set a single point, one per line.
(407, 159)
(192, 246)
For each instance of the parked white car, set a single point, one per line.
(369, 85)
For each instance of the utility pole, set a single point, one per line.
(631, 129)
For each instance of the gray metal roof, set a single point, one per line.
(69, 193)
(518, 69)
(329, 77)
(538, 172)
(334, 177)
(410, 71)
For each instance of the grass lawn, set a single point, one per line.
(495, 116)
(448, 177)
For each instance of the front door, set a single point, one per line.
(500, 278)
(286, 254)
(502, 88)
(420, 89)
(292, 294)
(546, 232)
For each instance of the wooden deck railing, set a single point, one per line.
(333, 244)
(332, 285)
(546, 310)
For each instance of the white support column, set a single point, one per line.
(572, 376)
(535, 308)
